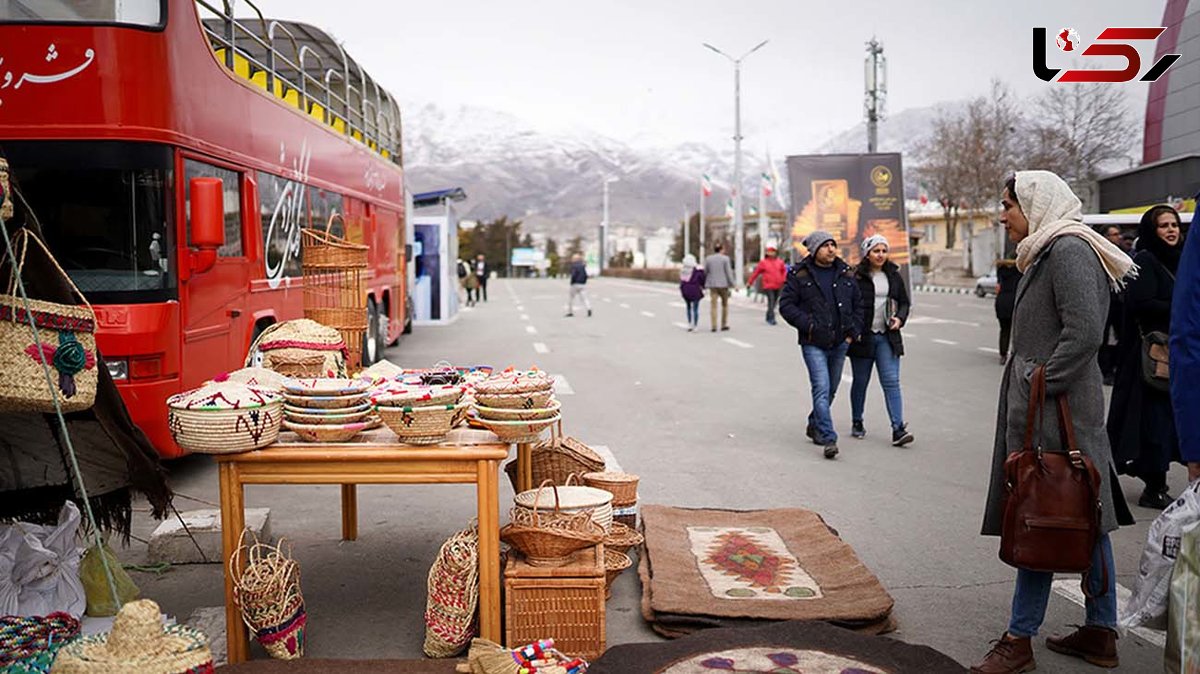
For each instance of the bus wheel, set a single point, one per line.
(372, 347)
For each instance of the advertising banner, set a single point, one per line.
(851, 196)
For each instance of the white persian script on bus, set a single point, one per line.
(52, 54)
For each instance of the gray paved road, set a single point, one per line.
(707, 419)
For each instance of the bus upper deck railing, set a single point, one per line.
(361, 110)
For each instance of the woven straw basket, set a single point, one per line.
(549, 538)
(513, 432)
(65, 342)
(614, 563)
(623, 486)
(335, 285)
(422, 425)
(510, 414)
(289, 347)
(528, 400)
(571, 498)
(558, 458)
(267, 592)
(453, 595)
(138, 644)
(225, 431)
(515, 383)
(622, 538)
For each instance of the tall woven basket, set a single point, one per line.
(267, 591)
(450, 615)
(335, 290)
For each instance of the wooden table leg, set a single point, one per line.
(349, 512)
(233, 520)
(525, 467)
(488, 490)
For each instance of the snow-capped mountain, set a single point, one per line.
(552, 182)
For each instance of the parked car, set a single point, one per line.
(987, 285)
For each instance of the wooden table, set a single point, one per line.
(375, 457)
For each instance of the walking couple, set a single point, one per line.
(839, 311)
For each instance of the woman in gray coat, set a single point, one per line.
(1058, 322)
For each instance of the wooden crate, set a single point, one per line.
(564, 603)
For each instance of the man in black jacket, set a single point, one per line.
(821, 300)
(579, 277)
(482, 271)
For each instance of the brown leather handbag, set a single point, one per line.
(1052, 499)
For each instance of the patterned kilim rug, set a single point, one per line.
(789, 647)
(726, 568)
(318, 666)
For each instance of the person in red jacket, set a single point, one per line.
(774, 273)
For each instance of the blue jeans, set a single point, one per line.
(824, 374)
(1033, 592)
(888, 364)
(693, 312)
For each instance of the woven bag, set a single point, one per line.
(267, 592)
(28, 644)
(453, 595)
(65, 339)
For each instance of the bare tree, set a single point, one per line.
(1077, 131)
(941, 171)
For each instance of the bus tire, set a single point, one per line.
(408, 315)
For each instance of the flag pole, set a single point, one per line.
(686, 234)
(701, 256)
(762, 223)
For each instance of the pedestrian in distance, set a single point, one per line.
(579, 278)
(482, 270)
(1058, 326)
(884, 305)
(821, 300)
(772, 272)
(1008, 278)
(1141, 422)
(1185, 353)
(718, 279)
(691, 286)
(1110, 352)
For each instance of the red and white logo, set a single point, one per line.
(1110, 42)
(1067, 39)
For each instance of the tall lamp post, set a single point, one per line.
(604, 225)
(739, 270)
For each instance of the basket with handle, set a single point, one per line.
(453, 595)
(65, 342)
(335, 291)
(267, 593)
(614, 563)
(622, 538)
(557, 458)
(549, 539)
(623, 486)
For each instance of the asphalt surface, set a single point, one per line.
(706, 419)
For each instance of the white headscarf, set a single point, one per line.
(1053, 210)
(689, 265)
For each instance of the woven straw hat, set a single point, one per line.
(138, 644)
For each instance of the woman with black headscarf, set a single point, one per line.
(1141, 425)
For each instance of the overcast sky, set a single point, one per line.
(636, 70)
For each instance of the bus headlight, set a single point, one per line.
(118, 369)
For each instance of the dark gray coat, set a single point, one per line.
(1061, 309)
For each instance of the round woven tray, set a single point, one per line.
(419, 396)
(614, 563)
(325, 432)
(623, 486)
(515, 432)
(218, 431)
(422, 425)
(622, 538)
(532, 400)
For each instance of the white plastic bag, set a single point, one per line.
(10, 540)
(1148, 602)
(45, 569)
(1182, 653)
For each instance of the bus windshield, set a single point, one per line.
(102, 208)
(147, 13)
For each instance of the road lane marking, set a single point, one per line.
(677, 305)
(540, 347)
(1069, 589)
(623, 305)
(524, 317)
(681, 325)
(561, 386)
(946, 342)
(520, 308)
(989, 349)
(737, 342)
(648, 314)
(930, 320)
(846, 379)
(610, 460)
(530, 329)
(607, 299)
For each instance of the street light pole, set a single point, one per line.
(739, 270)
(604, 226)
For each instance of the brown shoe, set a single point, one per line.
(1009, 655)
(1097, 645)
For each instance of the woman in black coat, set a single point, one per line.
(1008, 277)
(1141, 423)
(884, 309)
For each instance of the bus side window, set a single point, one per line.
(231, 184)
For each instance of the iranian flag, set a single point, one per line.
(768, 185)
(729, 208)
(706, 185)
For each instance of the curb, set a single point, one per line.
(944, 289)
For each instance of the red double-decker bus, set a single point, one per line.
(112, 110)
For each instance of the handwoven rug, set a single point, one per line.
(722, 568)
(788, 647)
(322, 666)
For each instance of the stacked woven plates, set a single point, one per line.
(421, 415)
(518, 406)
(327, 410)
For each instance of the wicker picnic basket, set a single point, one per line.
(28, 644)
(291, 347)
(558, 458)
(267, 591)
(571, 498)
(623, 486)
(65, 343)
(622, 538)
(335, 285)
(137, 644)
(549, 538)
(224, 418)
(614, 563)
(450, 614)
(426, 425)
